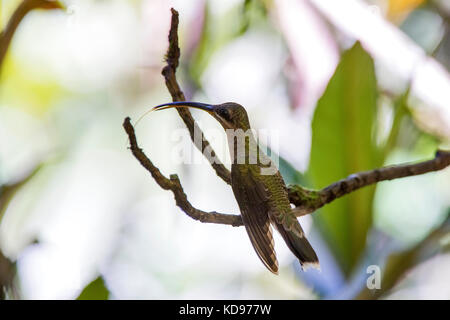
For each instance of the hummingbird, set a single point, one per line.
(262, 198)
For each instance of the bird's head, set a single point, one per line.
(230, 115)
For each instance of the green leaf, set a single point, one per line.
(343, 143)
(401, 111)
(96, 290)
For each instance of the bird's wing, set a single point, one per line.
(282, 213)
(252, 197)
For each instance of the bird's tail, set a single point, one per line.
(300, 247)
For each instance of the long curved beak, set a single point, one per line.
(202, 106)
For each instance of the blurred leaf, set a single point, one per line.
(214, 36)
(342, 144)
(219, 31)
(253, 11)
(96, 290)
(8, 190)
(289, 173)
(400, 112)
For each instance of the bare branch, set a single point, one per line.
(173, 184)
(172, 59)
(306, 201)
(18, 15)
(310, 200)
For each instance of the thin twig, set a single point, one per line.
(172, 59)
(173, 184)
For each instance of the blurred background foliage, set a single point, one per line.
(348, 110)
(344, 86)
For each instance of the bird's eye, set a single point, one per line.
(224, 114)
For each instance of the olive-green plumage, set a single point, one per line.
(258, 187)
